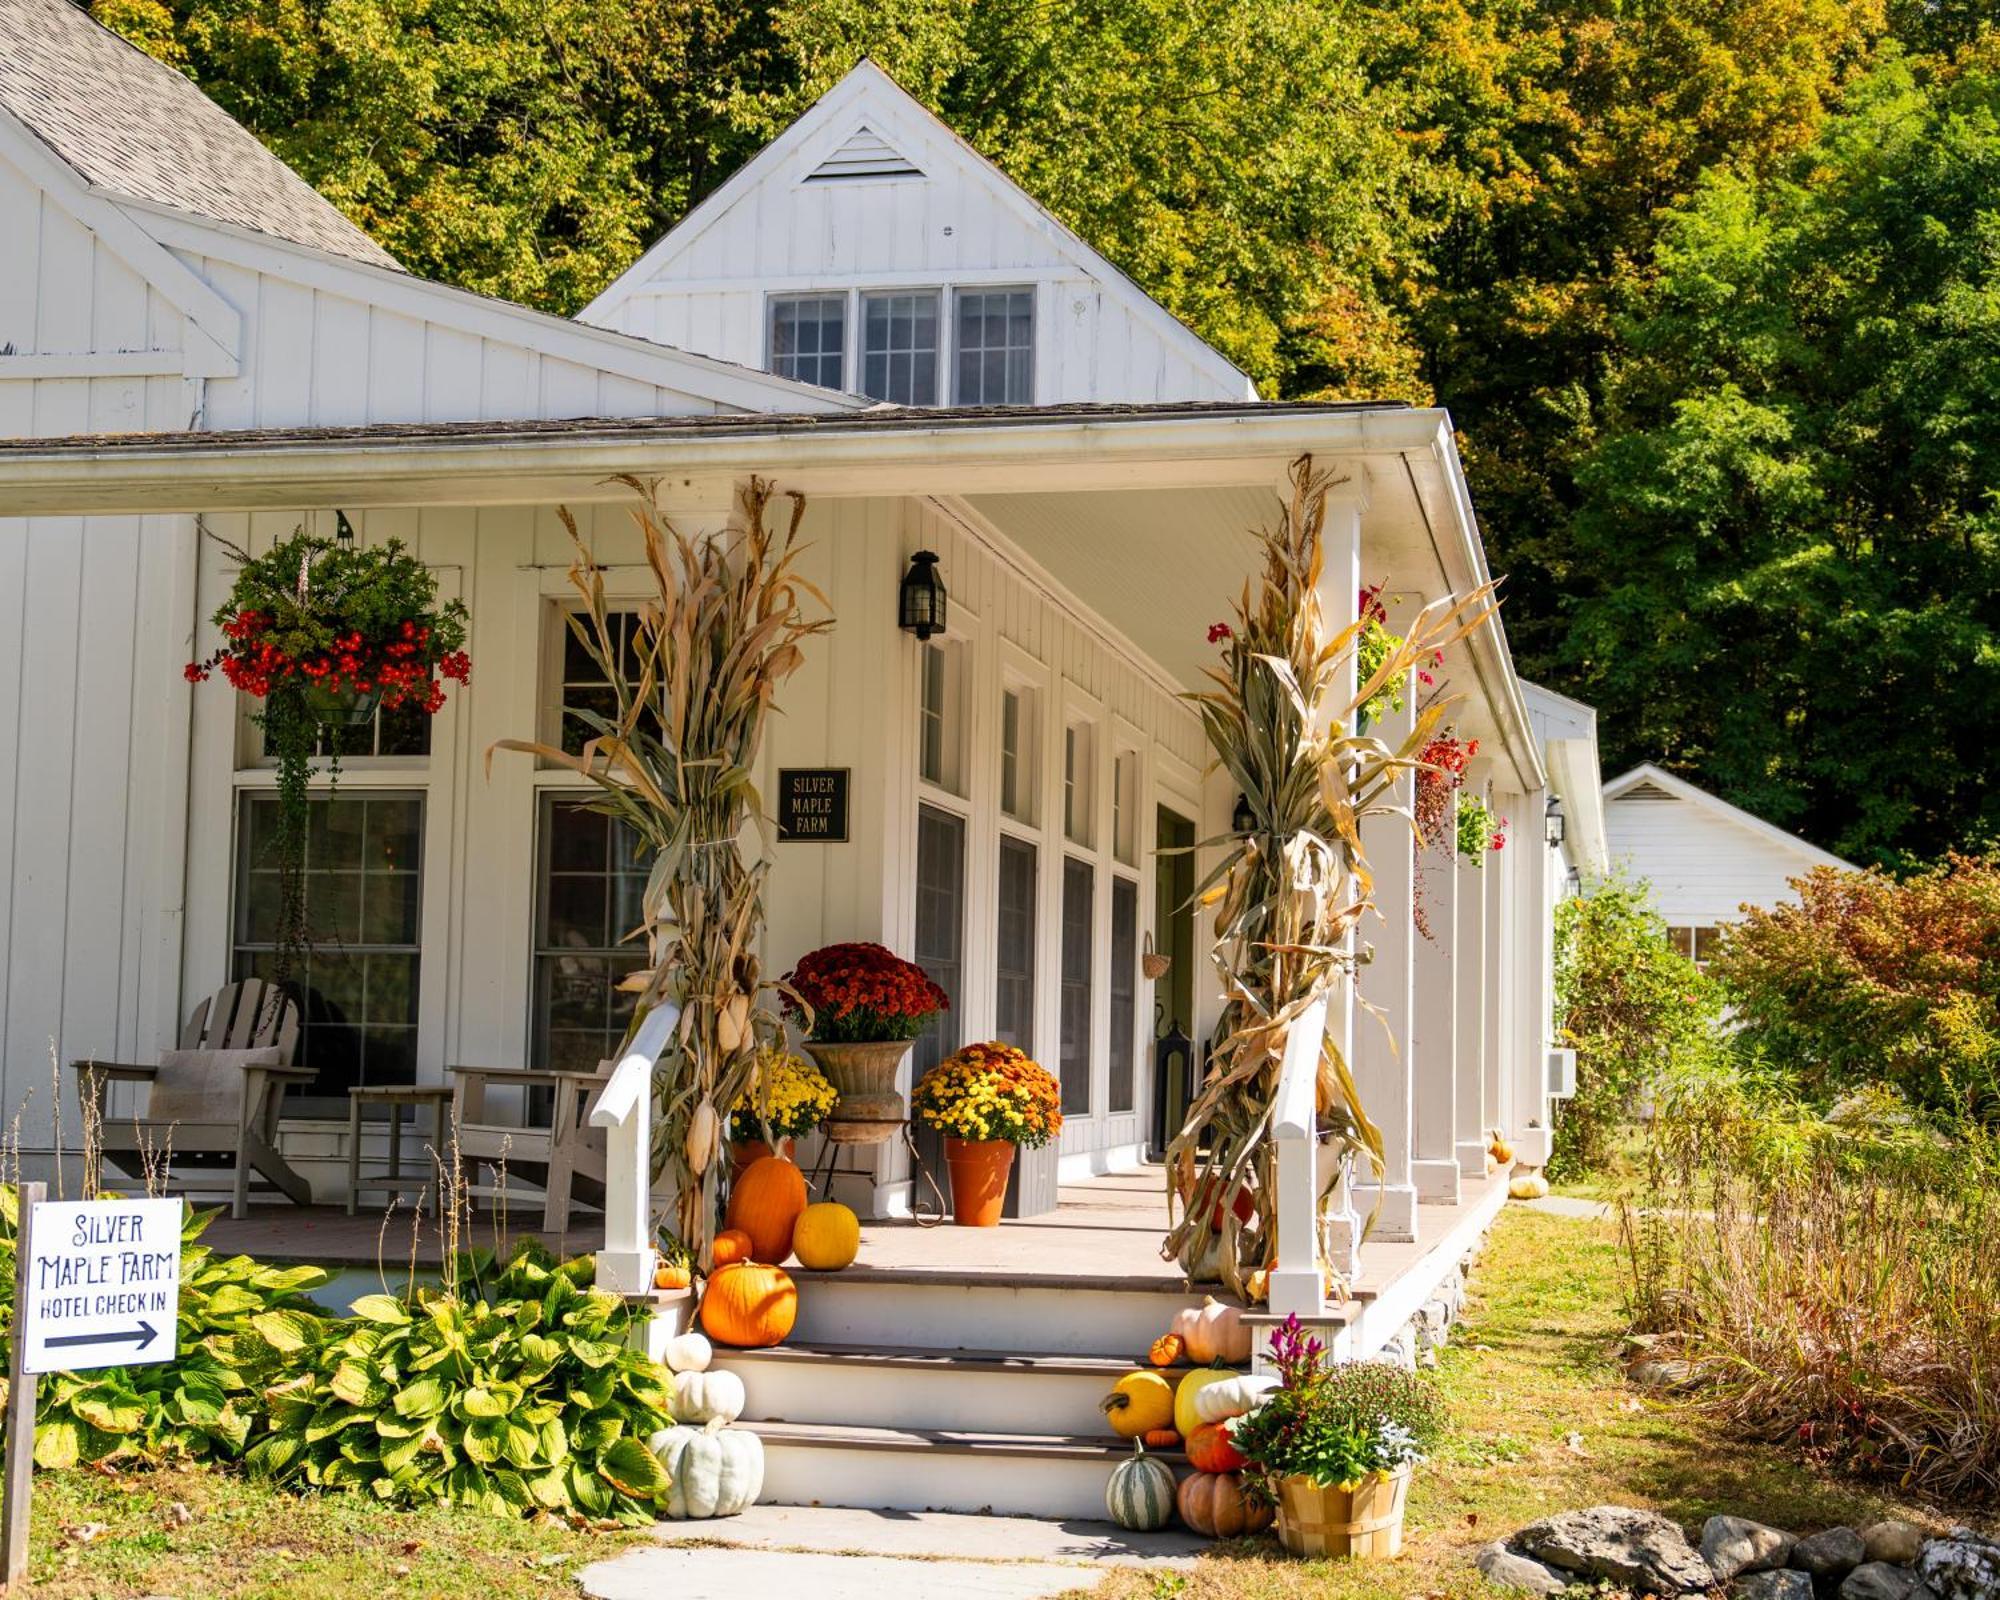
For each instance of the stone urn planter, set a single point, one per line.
(978, 1170)
(870, 1108)
(1365, 1522)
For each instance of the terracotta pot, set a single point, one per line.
(744, 1151)
(864, 1076)
(1365, 1522)
(978, 1179)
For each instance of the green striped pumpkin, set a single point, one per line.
(1140, 1494)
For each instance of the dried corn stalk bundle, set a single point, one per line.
(693, 688)
(1291, 889)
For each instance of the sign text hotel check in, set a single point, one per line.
(104, 1284)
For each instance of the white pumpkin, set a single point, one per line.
(688, 1352)
(1232, 1397)
(708, 1397)
(711, 1471)
(1213, 1331)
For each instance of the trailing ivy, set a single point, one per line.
(207, 1402)
(528, 1400)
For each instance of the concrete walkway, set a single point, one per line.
(829, 1553)
(1565, 1205)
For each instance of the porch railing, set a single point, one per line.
(1296, 1286)
(624, 1110)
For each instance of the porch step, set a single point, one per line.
(925, 1469)
(979, 1393)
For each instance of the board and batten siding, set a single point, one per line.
(1702, 867)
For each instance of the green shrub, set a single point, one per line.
(529, 1399)
(207, 1401)
(1633, 1008)
(1870, 980)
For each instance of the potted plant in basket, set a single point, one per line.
(786, 1098)
(1333, 1446)
(986, 1100)
(325, 633)
(862, 1007)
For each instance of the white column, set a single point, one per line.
(1474, 1115)
(1503, 966)
(1385, 1047)
(1434, 1163)
(1535, 944)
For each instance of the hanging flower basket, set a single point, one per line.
(342, 708)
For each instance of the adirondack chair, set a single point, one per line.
(561, 1152)
(210, 1115)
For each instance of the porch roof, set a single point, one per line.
(1142, 513)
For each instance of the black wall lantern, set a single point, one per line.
(1243, 819)
(1552, 818)
(923, 597)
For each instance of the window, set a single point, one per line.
(582, 685)
(1124, 988)
(1017, 754)
(809, 339)
(1079, 791)
(590, 886)
(405, 731)
(1698, 944)
(996, 347)
(1078, 897)
(940, 945)
(1125, 807)
(364, 900)
(1014, 1002)
(899, 347)
(941, 716)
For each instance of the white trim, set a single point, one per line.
(96, 364)
(1715, 805)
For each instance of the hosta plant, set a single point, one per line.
(207, 1401)
(517, 1394)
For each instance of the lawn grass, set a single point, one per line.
(1543, 1422)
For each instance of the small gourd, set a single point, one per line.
(1210, 1449)
(1161, 1439)
(1214, 1504)
(711, 1471)
(708, 1397)
(1529, 1186)
(1186, 1418)
(1233, 1396)
(1140, 1495)
(1138, 1403)
(1213, 1331)
(672, 1275)
(1165, 1350)
(687, 1352)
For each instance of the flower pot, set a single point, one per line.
(744, 1151)
(1365, 1522)
(978, 1179)
(341, 708)
(864, 1076)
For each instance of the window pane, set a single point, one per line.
(996, 342)
(1010, 753)
(1014, 1006)
(931, 760)
(900, 347)
(592, 879)
(809, 339)
(940, 938)
(1077, 915)
(1124, 989)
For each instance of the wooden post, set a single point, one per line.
(21, 1389)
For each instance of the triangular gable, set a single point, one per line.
(864, 153)
(1650, 783)
(869, 101)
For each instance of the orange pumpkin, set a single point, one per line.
(1210, 1449)
(766, 1203)
(672, 1275)
(749, 1304)
(1214, 1505)
(1161, 1439)
(1165, 1350)
(731, 1245)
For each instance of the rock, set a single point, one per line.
(1509, 1570)
(1878, 1580)
(1669, 1375)
(1780, 1585)
(1964, 1566)
(1893, 1541)
(1831, 1554)
(1639, 1549)
(1733, 1545)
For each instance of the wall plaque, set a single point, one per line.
(812, 805)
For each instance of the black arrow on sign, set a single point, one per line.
(143, 1334)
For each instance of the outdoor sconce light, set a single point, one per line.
(1552, 818)
(923, 598)
(1243, 819)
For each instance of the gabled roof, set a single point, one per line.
(1650, 782)
(1568, 731)
(857, 123)
(135, 127)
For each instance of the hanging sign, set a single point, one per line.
(101, 1284)
(812, 805)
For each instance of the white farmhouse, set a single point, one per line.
(1704, 859)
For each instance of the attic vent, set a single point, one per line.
(865, 154)
(1645, 791)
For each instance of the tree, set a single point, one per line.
(1787, 536)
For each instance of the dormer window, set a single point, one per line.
(809, 338)
(899, 347)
